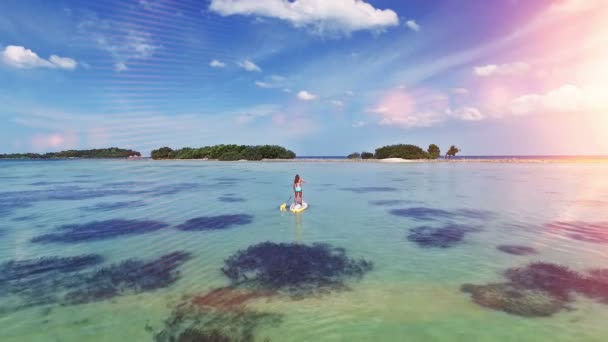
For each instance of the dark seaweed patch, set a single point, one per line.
(215, 222)
(595, 232)
(517, 249)
(10, 177)
(295, 269)
(25, 218)
(557, 280)
(99, 230)
(172, 189)
(129, 277)
(38, 281)
(368, 189)
(513, 300)
(114, 206)
(42, 183)
(22, 199)
(125, 184)
(442, 237)
(21, 270)
(230, 199)
(190, 322)
(229, 179)
(392, 202)
(540, 289)
(11, 200)
(433, 214)
(72, 281)
(228, 298)
(7, 207)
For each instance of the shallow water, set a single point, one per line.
(369, 209)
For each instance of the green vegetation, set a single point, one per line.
(401, 151)
(367, 155)
(112, 152)
(225, 152)
(452, 152)
(434, 151)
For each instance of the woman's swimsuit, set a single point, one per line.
(298, 187)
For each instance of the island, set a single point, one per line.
(225, 152)
(404, 151)
(112, 152)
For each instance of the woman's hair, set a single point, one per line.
(297, 179)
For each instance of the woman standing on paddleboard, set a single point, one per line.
(297, 190)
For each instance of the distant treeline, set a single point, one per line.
(112, 152)
(225, 152)
(405, 152)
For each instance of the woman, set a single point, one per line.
(297, 190)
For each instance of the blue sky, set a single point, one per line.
(319, 77)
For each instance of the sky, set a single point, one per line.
(503, 77)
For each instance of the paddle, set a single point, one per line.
(284, 205)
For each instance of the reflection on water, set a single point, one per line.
(168, 250)
(297, 220)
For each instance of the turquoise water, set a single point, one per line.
(411, 293)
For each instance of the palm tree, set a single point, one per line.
(452, 152)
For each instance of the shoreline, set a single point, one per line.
(416, 161)
(494, 160)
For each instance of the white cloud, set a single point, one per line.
(63, 62)
(249, 66)
(140, 44)
(343, 16)
(412, 25)
(216, 64)
(306, 96)
(118, 67)
(339, 104)
(359, 124)
(118, 39)
(251, 114)
(565, 99)
(460, 91)
(277, 78)
(263, 84)
(350, 93)
(22, 58)
(466, 114)
(501, 69)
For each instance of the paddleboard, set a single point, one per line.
(298, 207)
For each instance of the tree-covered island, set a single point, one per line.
(112, 152)
(404, 151)
(225, 152)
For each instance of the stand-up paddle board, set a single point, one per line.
(298, 207)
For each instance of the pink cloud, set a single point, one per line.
(418, 108)
(47, 142)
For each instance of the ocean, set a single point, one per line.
(143, 250)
